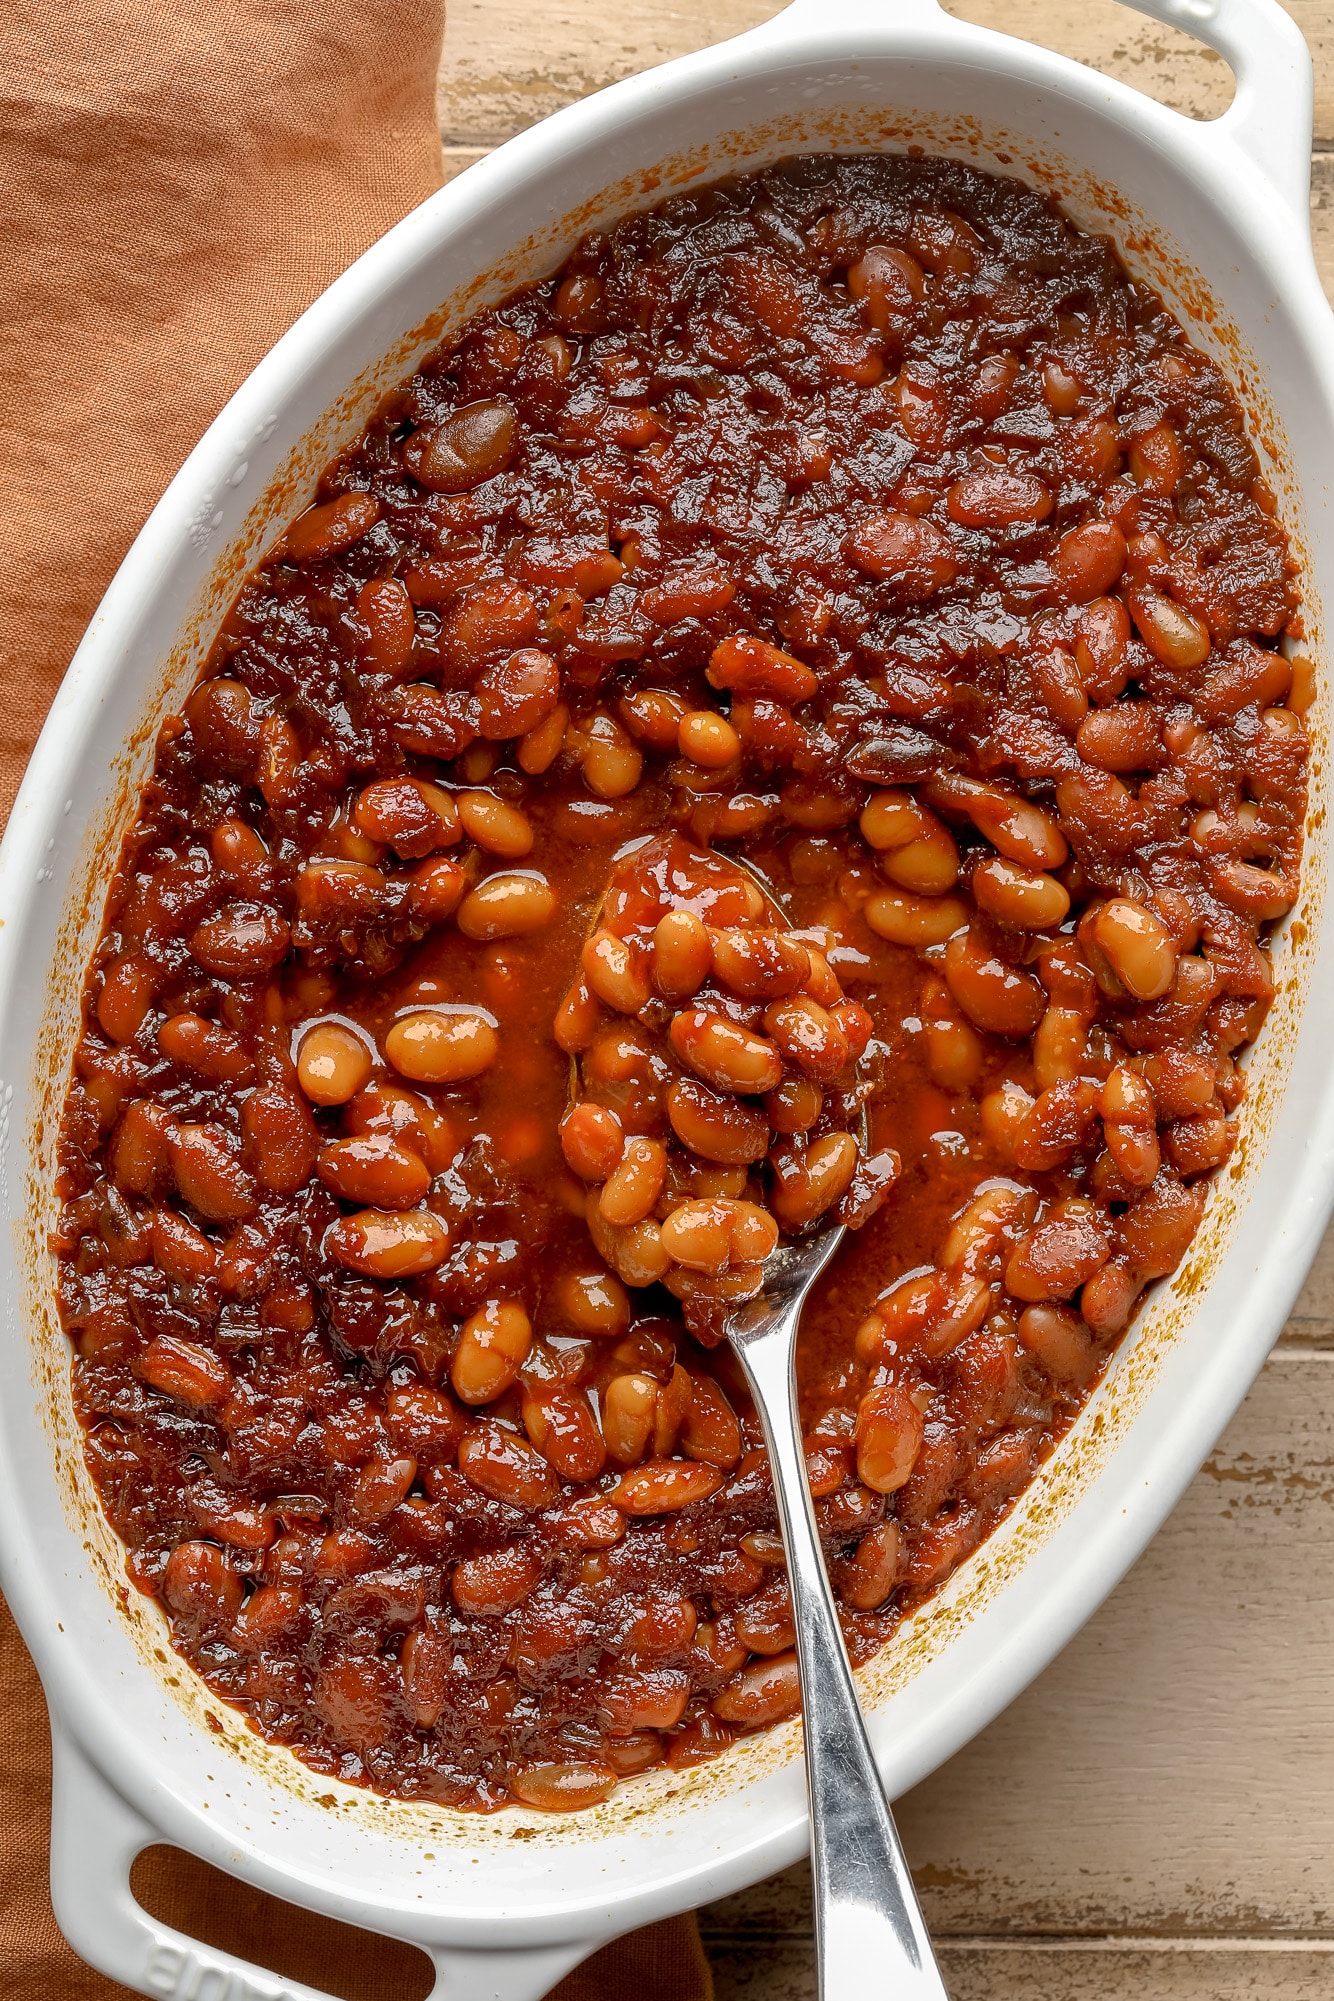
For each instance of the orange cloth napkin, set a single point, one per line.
(176, 183)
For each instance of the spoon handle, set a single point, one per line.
(870, 1936)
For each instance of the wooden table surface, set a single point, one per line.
(1155, 1815)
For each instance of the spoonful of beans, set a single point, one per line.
(718, 1117)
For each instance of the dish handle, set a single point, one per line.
(95, 1836)
(1269, 119)
(1271, 116)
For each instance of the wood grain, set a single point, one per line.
(1154, 1817)
(507, 64)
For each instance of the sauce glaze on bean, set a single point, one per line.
(861, 519)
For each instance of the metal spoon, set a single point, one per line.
(870, 1937)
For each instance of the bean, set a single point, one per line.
(560, 1423)
(379, 1487)
(664, 1486)
(373, 1169)
(617, 971)
(892, 819)
(766, 1692)
(918, 921)
(591, 1303)
(1060, 1045)
(1196, 1146)
(629, 1406)
(389, 1244)
(578, 302)
(759, 964)
(890, 1429)
(1256, 676)
(540, 746)
(1061, 388)
(754, 1234)
(793, 1107)
(632, 1191)
(717, 1128)
(993, 384)
(493, 1346)
(1060, 1341)
(1172, 634)
(407, 814)
(507, 906)
(241, 855)
(809, 1037)
(200, 1586)
(728, 1057)
(1156, 461)
(339, 894)
(1089, 561)
(243, 942)
(1137, 946)
(444, 1045)
(1130, 1119)
(578, 1018)
(977, 1230)
(469, 445)
(571, 1787)
(682, 954)
(207, 1048)
(751, 666)
(185, 1371)
(1053, 1260)
(279, 1139)
(654, 1699)
(954, 1051)
(708, 739)
(1026, 899)
(1015, 827)
(813, 1182)
(654, 716)
(995, 497)
(281, 763)
(385, 611)
(494, 825)
(330, 528)
(181, 1250)
(488, 1586)
(333, 1063)
(1102, 635)
(406, 1118)
(1257, 893)
(1059, 687)
(224, 724)
(699, 1235)
(867, 1577)
(592, 1140)
(612, 764)
(1108, 1299)
(1126, 737)
(517, 696)
(1181, 1081)
(998, 998)
(927, 866)
(507, 1467)
(435, 890)
(765, 1624)
(128, 987)
(209, 1175)
(888, 283)
(916, 556)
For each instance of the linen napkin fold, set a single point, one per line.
(177, 183)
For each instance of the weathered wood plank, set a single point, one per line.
(768, 1970)
(504, 66)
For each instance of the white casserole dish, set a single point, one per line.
(1215, 217)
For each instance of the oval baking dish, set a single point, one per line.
(1214, 217)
